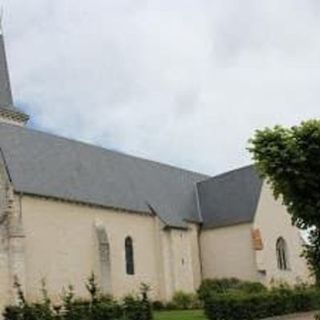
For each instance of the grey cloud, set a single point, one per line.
(185, 82)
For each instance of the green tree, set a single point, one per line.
(289, 160)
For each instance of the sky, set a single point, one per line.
(184, 82)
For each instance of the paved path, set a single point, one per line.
(301, 316)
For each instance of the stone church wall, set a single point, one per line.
(62, 246)
(4, 262)
(273, 221)
(228, 252)
(184, 260)
(194, 241)
(231, 252)
(179, 259)
(63, 243)
(12, 259)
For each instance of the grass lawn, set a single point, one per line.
(180, 315)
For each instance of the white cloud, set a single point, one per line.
(185, 82)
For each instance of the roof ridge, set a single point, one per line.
(220, 175)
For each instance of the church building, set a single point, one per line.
(68, 209)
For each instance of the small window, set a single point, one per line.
(282, 254)
(129, 256)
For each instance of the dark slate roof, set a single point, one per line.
(47, 165)
(230, 198)
(6, 100)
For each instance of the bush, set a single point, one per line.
(98, 307)
(244, 306)
(171, 306)
(158, 305)
(183, 301)
(136, 308)
(217, 285)
(251, 287)
(226, 285)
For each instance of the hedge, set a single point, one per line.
(98, 307)
(225, 285)
(244, 306)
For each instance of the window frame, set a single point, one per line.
(282, 254)
(129, 256)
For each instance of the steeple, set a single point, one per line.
(8, 113)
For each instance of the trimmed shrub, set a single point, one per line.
(225, 285)
(183, 301)
(222, 285)
(171, 306)
(244, 306)
(251, 287)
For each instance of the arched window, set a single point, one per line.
(282, 254)
(129, 256)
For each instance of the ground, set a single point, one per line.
(198, 315)
(302, 316)
(180, 315)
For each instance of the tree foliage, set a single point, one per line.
(289, 159)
